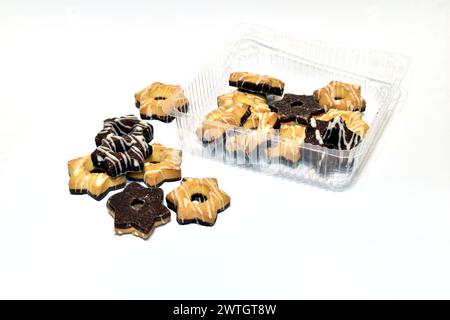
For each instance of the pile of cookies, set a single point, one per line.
(330, 117)
(124, 154)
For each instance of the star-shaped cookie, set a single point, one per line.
(198, 201)
(85, 178)
(333, 134)
(218, 121)
(341, 96)
(256, 139)
(288, 148)
(138, 210)
(298, 108)
(256, 83)
(162, 166)
(158, 101)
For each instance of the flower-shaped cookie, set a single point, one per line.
(198, 201)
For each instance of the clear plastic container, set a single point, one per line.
(304, 64)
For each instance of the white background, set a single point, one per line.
(67, 65)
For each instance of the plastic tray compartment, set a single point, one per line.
(304, 65)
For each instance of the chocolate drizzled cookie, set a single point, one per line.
(119, 155)
(333, 134)
(122, 145)
(125, 125)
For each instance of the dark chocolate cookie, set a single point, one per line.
(332, 134)
(122, 145)
(125, 125)
(138, 210)
(120, 155)
(299, 108)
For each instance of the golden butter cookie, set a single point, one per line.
(255, 83)
(159, 100)
(198, 201)
(288, 148)
(218, 121)
(258, 104)
(86, 179)
(162, 166)
(249, 141)
(341, 96)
